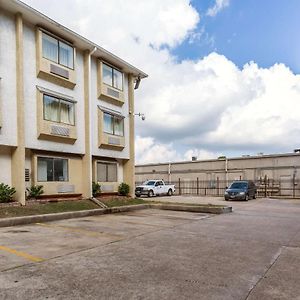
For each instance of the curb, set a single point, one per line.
(193, 208)
(101, 211)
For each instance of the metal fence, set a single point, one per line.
(266, 187)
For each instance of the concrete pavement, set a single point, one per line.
(252, 253)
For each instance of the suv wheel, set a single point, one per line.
(246, 197)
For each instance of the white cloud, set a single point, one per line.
(111, 22)
(193, 108)
(218, 6)
(148, 151)
(200, 154)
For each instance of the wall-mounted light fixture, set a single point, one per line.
(137, 82)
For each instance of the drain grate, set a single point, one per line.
(192, 281)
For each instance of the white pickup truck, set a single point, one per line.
(154, 188)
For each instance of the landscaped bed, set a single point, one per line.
(63, 206)
(121, 201)
(38, 208)
(47, 208)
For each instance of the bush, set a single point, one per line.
(6, 193)
(96, 187)
(123, 189)
(35, 191)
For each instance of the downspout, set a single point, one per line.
(226, 171)
(169, 173)
(93, 51)
(96, 201)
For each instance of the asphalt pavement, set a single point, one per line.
(251, 253)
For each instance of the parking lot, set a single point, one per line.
(252, 253)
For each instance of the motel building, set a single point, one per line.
(66, 108)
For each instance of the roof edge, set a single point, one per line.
(12, 4)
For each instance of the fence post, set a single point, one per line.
(197, 186)
(265, 185)
(218, 186)
(294, 185)
(179, 187)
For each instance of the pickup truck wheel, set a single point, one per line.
(150, 193)
(170, 193)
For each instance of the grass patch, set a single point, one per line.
(122, 201)
(48, 208)
(67, 206)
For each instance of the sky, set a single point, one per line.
(223, 74)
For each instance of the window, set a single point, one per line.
(58, 110)
(57, 51)
(107, 172)
(52, 169)
(112, 77)
(113, 124)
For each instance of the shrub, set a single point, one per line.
(35, 191)
(6, 193)
(123, 189)
(96, 187)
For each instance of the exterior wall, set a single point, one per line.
(29, 166)
(96, 151)
(8, 93)
(24, 134)
(5, 163)
(274, 167)
(31, 82)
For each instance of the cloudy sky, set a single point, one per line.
(223, 74)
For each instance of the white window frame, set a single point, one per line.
(53, 159)
(59, 99)
(112, 74)
(114, 116)
(106, 163)
(59, 40)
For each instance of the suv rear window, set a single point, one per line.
(239, 185)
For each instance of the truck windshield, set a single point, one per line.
(151, 182)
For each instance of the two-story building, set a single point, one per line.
(66, 108)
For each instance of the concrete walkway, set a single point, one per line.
(252, 253)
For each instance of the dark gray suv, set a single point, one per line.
(240, 190)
